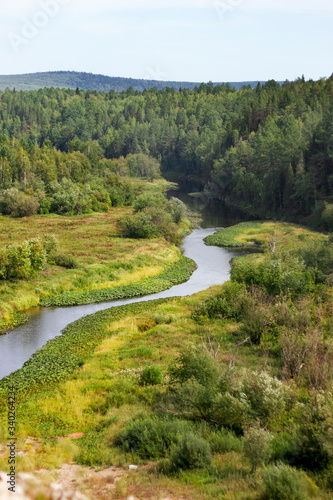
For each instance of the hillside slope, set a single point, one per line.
(89, 81)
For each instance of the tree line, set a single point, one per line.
(266, 150)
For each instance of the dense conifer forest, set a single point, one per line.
(266, 150)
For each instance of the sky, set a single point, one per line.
(179, 40)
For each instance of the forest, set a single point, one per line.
(267, 150)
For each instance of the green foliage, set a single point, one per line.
(151, 438)
(90, 448)
(174, 274)
(51, 243)
(151, 375)
(227, 237)
(327, 216)
(225, 441)
(37, 254)
(17, 320)
(285, 483)
(67, 261)
(153, 217)
(17, 204)
(22, 261)
(228, 304)
(149, 200)
(318, 259)
(266, 395)
(141, 165)
(276, 273)
(199, 388)
(310, 452)
(196, 364)
(139, 225)
(60, 357)
(257, 446)
(151, 222)
(272, 170)
(192, 452)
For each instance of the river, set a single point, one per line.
(46, 323)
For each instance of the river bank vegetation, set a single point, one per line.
(45, 256)
(224, 394)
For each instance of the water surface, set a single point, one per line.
(46, 323)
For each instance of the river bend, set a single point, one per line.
(46, 323)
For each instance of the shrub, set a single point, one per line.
(318, 258)
(197, 364)
(282, 482)
(177, 209)
(231, 409)
(51, 243)
(151, 375)
(278, 273)
(266, 395)
(65, 197)
(228, 304)
(151, 221)
(150, 437)
(192, 452)
(37, 254)
(18, 261)
(225, 441)
(255, 324)
(149, 200)
(192, 398)
(141, 165)
(66, 261)
(257, 446)
(139, 225)
(310, 451)
(21, 261)
(17, 204)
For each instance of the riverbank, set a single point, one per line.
(103, 260)
(263, 234)
(218, 373)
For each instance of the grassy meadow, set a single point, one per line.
(104, 259)
(135, 385)
(262, 234)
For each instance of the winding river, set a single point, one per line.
(45, 324)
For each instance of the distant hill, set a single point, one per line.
(89, 81)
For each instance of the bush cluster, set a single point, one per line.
(154, 217)
(21, 261)
(198, 387)
(282, 482)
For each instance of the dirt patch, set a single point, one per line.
(93, 483)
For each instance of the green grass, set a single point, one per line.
(88, 380)
(260, 234)
(104, 259)
(176, 273)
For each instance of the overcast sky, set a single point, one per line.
(183, 40)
